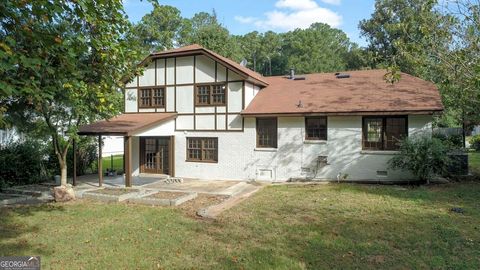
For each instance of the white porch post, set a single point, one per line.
(128, 160)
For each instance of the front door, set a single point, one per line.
(155, 155)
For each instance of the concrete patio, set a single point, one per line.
(214, 187)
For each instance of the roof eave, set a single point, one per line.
(346, 113)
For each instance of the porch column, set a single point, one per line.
(127, 152)
(100, 169)
(74, 176)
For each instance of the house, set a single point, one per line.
(196, 114)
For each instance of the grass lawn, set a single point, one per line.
(474, 162)
(339, 226)
(117, 162)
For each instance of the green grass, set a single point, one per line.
(474, 162)
(117, 162)
(339, 226)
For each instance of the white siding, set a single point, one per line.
(221, 73)
(185, 99)
(185, 122)
(205, 69)
(235, 97)
(170, 106)
(170, 70)
(131, 100)
(148, 76)
(205, 122)
(160, 72)
(163, 129)
(185, 70)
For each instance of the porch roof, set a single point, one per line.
(125, 124)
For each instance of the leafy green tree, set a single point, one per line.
(204, 29)
(159, 30)
(436, 41)
(318, 48)
(62, 65)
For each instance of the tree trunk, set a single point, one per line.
(63, 170)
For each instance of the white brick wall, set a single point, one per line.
(239, 159)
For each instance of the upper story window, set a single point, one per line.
(384, 132)
(316, 128)
(151, 98)
(202, 149)
(213, 94)
(267, 132)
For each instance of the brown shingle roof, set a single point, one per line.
(195, 48)
(125, 124)
(363, 93)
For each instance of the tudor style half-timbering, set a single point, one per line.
(195, 114)
(206, 92)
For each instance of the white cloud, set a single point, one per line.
(243, 19)
(332, 2)
(293, 14)
(296, 4)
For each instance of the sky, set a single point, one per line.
(243, 16)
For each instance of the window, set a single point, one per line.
(316, 128)
(151, 98)
(210, 95)
(267, 132)
(202, 149)
(384, 133)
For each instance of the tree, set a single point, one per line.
(204, 29)
(318, 48)
(160, 29)
(62, 65)
(436, 42)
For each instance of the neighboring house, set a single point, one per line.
(196, 114)
(112, 145)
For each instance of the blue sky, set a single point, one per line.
(243, 16)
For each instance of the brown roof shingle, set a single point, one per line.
(363, 93)
(195, 48)
(125, 124)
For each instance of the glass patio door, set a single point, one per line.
(155, 155)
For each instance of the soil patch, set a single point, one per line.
(202, 201)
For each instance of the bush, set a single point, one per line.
(424, 156)
(475, 142)
(86, 157)
(454, 140)
(22, 163)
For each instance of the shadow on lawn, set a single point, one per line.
(296, 233)
(15, 234)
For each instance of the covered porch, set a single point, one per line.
(148, 146)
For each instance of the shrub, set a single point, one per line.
(454, 140)
(475, 142)
(22, 163)
(424, 156)
(86, 157)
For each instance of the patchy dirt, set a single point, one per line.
(114, 191)
(167, 195)
(202, 201)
